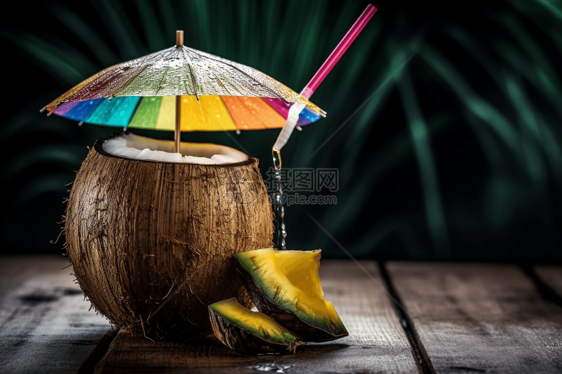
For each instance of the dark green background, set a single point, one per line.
(457, 156)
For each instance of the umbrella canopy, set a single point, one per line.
(215, 94)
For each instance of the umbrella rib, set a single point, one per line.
(143, 69)
(246, 74)
(165, 72)
(149, 63)
(161, 80)
(217, 77)
(254, 79)
(219, 80)
(190, 73)
(146, 60)
(224, 86)
(111, 69)
(193, 81)
(61, 99)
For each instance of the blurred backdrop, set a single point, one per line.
(444, 123)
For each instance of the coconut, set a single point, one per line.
(152, 241)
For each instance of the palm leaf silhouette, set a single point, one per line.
(459, 155)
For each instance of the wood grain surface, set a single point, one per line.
(480, 318)
(551, 275)
(45, 325)
(376, 341)
(470, 318)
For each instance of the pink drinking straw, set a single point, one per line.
(332, 60)
(339, 51)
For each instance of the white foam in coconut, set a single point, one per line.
(144, 148)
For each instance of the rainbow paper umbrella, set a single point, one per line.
(182, 89)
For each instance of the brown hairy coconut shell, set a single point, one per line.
(142, 233)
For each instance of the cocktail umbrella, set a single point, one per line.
(182, 89)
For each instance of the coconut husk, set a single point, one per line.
(138, 230)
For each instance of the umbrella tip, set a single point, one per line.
(42, 110)
(179, 38)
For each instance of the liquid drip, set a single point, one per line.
(281, 231)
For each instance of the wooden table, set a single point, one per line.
(402, 317)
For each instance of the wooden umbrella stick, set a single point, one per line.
(177, 132)
(179, 38)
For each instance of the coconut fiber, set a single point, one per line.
(152, 242)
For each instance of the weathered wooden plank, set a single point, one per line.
(551, 275)
(45, 325)
(480, 318)
(376, 342)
